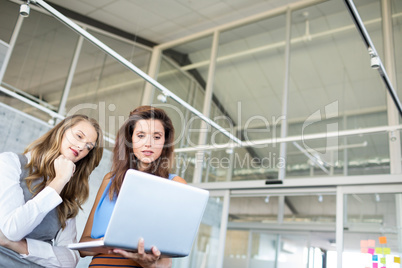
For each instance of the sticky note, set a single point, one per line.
(397, 259)
(371, 243)
(375, 265)
(363, 243)
(375, 257)
(382, 260)
(387, 251)
(364, 250)
(371, 250)
(382, 239)
(378, 250)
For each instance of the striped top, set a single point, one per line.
(112, 260)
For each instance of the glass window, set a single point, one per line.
(41, 59)
(104, 88)
(352, 155)
(184, 165)
(191, 57)
(298, 209)
(330, 73)
(319, 208)
(262, 209)
(249, 76)
(184, 86)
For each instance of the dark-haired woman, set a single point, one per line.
(145, 143)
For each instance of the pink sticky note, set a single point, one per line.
(364, 250)
(363, 243)
(371, 243)
(375, 265)
(371, 250)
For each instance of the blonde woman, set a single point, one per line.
(41, 192)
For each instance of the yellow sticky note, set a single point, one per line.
(397, 259)
(382, 239)
(371, 243)
(378, 250)
(382, 260)
(387, 251)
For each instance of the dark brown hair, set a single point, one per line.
(123, 155)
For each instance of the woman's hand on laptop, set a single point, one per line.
(146, 260)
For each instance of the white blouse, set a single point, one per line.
(18, 219)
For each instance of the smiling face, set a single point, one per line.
(78, 141)
(148, 140)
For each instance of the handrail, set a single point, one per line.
(321, 135)
(376, 64)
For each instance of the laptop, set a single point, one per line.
(165, 213)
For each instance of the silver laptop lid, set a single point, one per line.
(167, 214)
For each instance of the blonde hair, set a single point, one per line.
(43, 153)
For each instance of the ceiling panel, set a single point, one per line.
(193, 16)
(81, 7)
(96, 4)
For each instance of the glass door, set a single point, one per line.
(371, 227)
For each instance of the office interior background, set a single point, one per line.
(303, 157)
